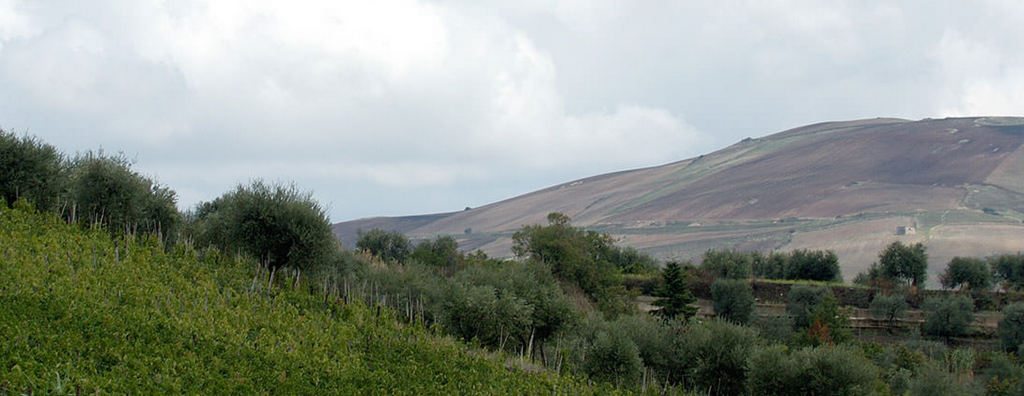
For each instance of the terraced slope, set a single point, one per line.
(956, 184)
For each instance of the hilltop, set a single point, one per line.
(956, 184)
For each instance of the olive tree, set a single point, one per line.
(388, 245)
(972, 273)
(889, 308)
(733, 300)
(1011, 327)
(105, 190)
(947, 316)
(30, 170)
(906, 263)
(277, 224)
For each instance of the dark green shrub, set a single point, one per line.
(713, 357)
(727, 264)
(30, 170)
(105, 190)
(1009, 269)
(613, 358)
(825, 370)
(802, 301)
(442, 252)
(947, 316)
(1011, 327)
(889, 308)
(548, 309)
(733, 300)
(388, 245)
(278, 225)
(973, 273)
(653, 339)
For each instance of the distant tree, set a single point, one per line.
(575, 255)
(770, 266)
(1009, 269)
(733, 300)
(813, 265)
(675, 294)
(388, 245)
(1011, 327)
(803, 300)
(889, 308)
(829, 324)
(30, 170)
(973, 273)
(727, 264)
(632, 261)
(277, 224)
(105, 190)
(947, 316)
(905, 263)
(442, 252)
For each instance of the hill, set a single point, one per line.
(956, 184)
(85, 314)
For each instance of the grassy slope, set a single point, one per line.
(81, 312)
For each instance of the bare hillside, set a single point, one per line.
(956, 184)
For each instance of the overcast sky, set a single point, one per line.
(394, 107)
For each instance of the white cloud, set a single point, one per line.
(457, 97)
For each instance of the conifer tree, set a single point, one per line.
(675, 294)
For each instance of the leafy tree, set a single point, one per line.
(931, 379)
(813, 265)
(802, 301)
(279, 225)
(675, 294)
(770, 266)
(1011, 327)
(653, 338)
(1009, 269)
(727, 264)
(974, 273)
(614, 358)
(947, 316)
(889, 308)
(712, 357)
(632, 261)
(575, 255)
(442, 252)
(483, 313)
(826, 370)
(388, 245)
(733, 300)
(550, 310)
(105, 190)
(829, 324)
(905, 263)
(30, 170)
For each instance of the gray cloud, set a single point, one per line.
(405, 106)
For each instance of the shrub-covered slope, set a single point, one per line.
(80, 312)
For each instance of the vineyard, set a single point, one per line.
(84, 313)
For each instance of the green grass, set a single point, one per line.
(82, 312)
